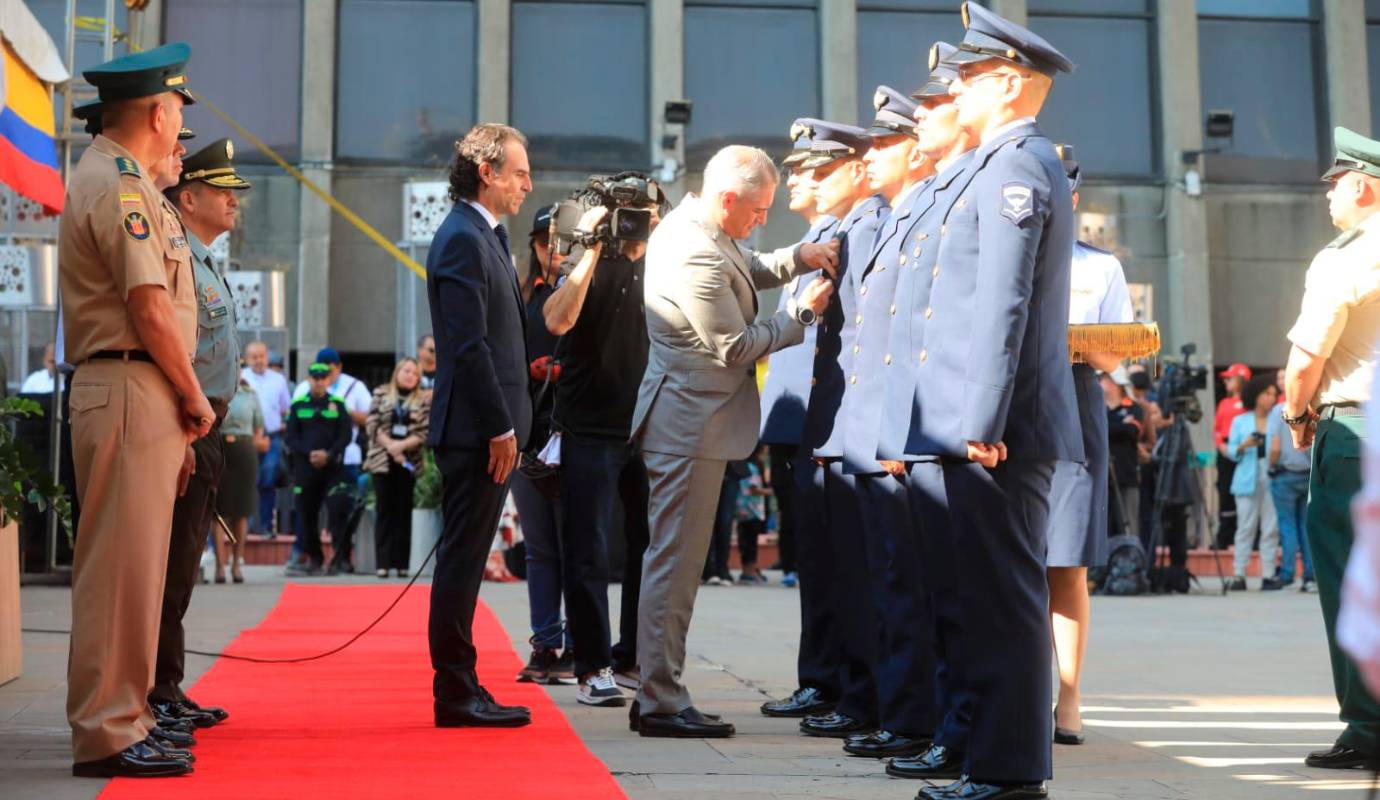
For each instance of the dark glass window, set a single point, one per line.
(1278, 9)
(405, 79)
(247, 60)
(1265, 70)
(1087, 7)
(749, 71)
(1105, 108)
(894, 48)
(579, 84)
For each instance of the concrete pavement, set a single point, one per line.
(1184, 697)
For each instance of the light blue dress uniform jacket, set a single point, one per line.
(838, 329)
(787, 388)
(994, 366)
(878, 305)
(915, 245)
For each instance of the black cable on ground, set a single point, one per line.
(303, 659)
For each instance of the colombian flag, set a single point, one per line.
(28, 149)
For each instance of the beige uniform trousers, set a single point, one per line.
(127, 444)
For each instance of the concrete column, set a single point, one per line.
(146, 27)
(494, 73)
(318, 142)
(1185, 315)
(667, 36)
(1348, 78)
(838, 59)
(1014, 10)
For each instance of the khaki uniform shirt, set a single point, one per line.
(117, 233)
(217, 361)
(1340, 319)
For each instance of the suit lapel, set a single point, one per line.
(491, 239)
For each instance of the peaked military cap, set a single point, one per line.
(834, 141)
(90, 112)
(211, 165)
(1071, 168)
(990, 35)
(802, 139)
(942, 72)
(894, 113)
(151, 72)
(1355, 153)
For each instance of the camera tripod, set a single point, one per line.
(1177, 483)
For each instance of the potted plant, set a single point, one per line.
(23, 479)
(426, 514)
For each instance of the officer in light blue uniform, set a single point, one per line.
(994, 400)
(899, 597)
(784, 395)
(838, 149)
(910, 238)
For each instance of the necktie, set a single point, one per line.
(503, 237)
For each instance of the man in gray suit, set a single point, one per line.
(697, 407)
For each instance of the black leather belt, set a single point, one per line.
(219, 406)
(1341, 410)
(123, 355)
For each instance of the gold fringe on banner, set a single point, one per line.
(1121, 339)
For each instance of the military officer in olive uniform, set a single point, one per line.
(129, 305)
(995, 402)
(784, 395)
(207, 198)
(1336, 345)
(841, 191)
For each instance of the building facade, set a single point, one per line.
(366, 95)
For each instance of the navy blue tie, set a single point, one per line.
(503, 237)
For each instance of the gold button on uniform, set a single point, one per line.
(935, 272)
(924, 355)
(887, 360)
(920, 237)
(853, 379)
(917, 251)
(893, 311)
(929, 312)
(856, 348)
(961, 203)
(903, 259)
(864, 290)
(859, 319)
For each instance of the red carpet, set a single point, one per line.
(358, 724)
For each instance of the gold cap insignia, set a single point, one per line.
(963, 12)
(176, 80)
(879, 100)
(229, 149)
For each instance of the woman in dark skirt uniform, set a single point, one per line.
(1078, 496)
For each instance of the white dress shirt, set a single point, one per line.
(1098, 291)
(274, 397)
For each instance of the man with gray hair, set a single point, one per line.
(697, 407)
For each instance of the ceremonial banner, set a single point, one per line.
(28, 147)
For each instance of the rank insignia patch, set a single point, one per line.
(1016, 202)
(137, 226)
(127, 166)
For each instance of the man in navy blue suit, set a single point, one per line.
(481, 413)
(994, 399)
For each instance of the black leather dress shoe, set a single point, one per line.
(833, 725)
(174, 711)
(802, 703)
(885, 744)
(170, 751)
(136, 761)
(937, 762)
(688, 724)
(480, 711)
(173, 736)
(969, 789)
(1341, 757)
(217, 713)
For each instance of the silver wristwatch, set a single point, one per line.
(803, 314)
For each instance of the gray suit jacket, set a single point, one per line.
(699, 394)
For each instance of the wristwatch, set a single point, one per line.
(1294, 422)
(803, 314)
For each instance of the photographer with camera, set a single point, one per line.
(599, 314)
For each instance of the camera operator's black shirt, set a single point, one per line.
(604, 355)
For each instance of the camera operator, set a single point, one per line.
(598, 311)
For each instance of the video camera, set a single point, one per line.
(628, 197)
(1180, 384)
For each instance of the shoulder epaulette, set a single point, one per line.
(1345, 239)
(127, 166)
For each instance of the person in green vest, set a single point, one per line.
(318, 430)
